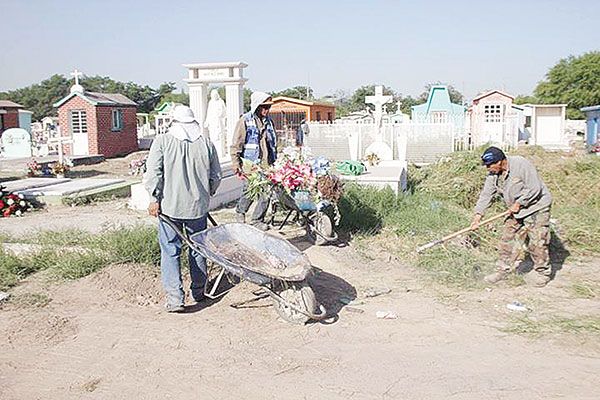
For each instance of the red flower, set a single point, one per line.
(1, 204)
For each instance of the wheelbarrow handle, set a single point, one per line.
(182, 233)
(458, 233)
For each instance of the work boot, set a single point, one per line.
(198, 294)
(495, 277)
(536, 279)
(174, 308)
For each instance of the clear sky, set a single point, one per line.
(333, 45)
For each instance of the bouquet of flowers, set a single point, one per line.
(59, 168)
(12, 204)
(32, 168)
(137, 167)
(373, 159)
(294, 174)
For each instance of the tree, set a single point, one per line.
(455, 96)
(40, 97)
(574, 81)
(297, 92)
(247, 94)
(524, 99)
(339, 98)
(146, 97)
(406, 103)
(181, 98)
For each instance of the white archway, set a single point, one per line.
(229, 73)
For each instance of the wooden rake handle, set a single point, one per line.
(458, 233)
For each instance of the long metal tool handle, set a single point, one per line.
(458, 233)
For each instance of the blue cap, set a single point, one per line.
(492, 155)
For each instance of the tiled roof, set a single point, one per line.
(99, 99)
(8, 103)
(109, 99)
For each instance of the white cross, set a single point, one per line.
(77, 74)
(61, 140)
(378, 101)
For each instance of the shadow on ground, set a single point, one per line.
(86, 174)
(558, 255)
(332, 292)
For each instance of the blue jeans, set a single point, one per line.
(170, 256)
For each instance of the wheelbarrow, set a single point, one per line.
(272, 263)
(318, 224)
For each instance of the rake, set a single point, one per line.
(458, 233)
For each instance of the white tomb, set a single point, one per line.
(379, 147)
(16, 143)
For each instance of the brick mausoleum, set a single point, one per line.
(98, 123)
(9, 115)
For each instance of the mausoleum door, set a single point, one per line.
(80, 144)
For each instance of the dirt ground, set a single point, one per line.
(106, 336)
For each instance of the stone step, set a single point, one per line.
(118, 189)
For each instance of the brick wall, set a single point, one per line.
(116, 143)
(10, 119)
(322, 110)
(64, 121)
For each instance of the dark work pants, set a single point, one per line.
(262, 204)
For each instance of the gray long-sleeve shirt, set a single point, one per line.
(521, 184)
(182, 175)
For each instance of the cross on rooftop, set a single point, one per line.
(77, 74)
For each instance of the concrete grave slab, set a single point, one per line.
(391, 174)
(71, 186)
(21, 185)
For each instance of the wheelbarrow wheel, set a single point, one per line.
(320, 228)
(301, 296)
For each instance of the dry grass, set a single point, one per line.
(440, 201)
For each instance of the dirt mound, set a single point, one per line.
(136, 284)
(41, 326)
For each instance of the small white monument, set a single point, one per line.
(16, 143)
(60, 141)
(379, 147)
(216, 115)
